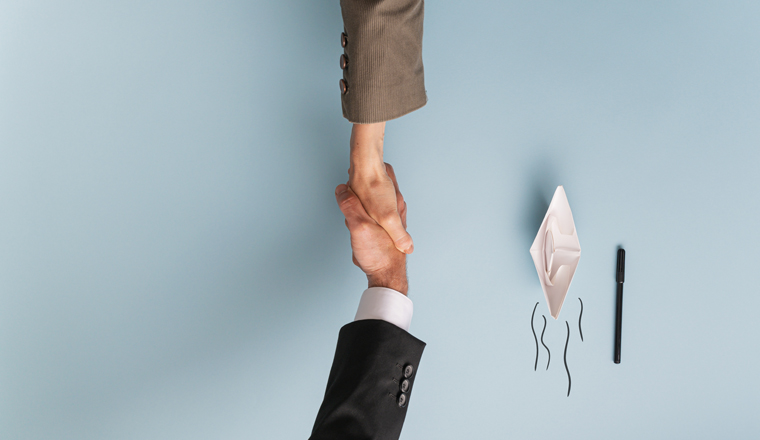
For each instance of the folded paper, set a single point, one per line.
(556, 251)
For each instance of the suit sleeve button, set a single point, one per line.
(404, 386)
(343, 61)
(402, 400)
(343, 87)
(408, 370)
(343, 39)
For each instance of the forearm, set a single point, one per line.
(367, 149)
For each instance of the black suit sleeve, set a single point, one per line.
(370, 383)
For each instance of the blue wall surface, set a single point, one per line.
(173, 264)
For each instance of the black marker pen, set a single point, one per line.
(620, 276)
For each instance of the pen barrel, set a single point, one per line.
(618, 322)
(620, 272)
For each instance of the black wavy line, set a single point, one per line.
(579, 320)
(534, 335)
(542, 343)
(566, 369)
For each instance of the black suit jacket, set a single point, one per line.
(370, 383)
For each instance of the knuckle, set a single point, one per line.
(361, 228)
(388, 218)
(403, 241)
(349, 203)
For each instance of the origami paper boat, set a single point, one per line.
(556, 251)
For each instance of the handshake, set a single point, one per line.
(376, 359)
(375, 211)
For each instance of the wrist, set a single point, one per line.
(367, 149)
(392, 279)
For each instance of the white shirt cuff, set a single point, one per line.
(385, 304)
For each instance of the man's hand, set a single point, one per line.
(373, 184)
(373, 250)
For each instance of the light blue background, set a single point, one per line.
(173, 264)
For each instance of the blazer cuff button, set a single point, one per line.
(404, 387)
(401, 400)
(344, 89)
(408, 370)
(343, 39)
(343, 61)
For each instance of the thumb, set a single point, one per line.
(395, 228)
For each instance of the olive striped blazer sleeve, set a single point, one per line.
(383, 76)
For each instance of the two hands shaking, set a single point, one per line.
(376, 359)
(375, 211)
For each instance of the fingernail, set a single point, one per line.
(410, 249)
(341, 189)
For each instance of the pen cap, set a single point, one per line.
(620, 277)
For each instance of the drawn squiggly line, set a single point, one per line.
(534, 335)
(579, 320)
(567, 369)
(542, 343)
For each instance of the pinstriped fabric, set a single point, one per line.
(385, 75)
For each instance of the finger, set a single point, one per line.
(399, 198)
(351, 207)
(397, 228)
(403, 215)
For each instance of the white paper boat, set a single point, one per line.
(556, 251)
